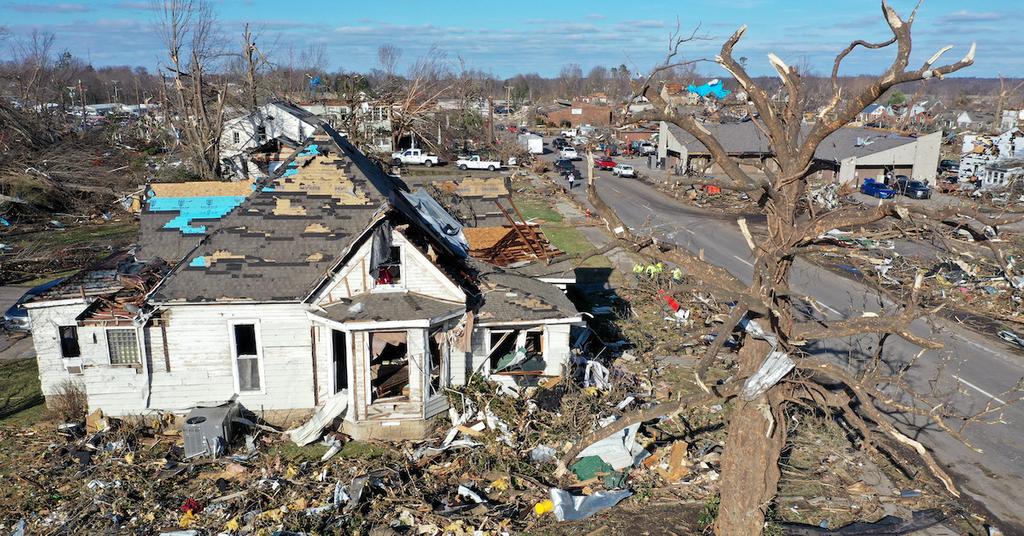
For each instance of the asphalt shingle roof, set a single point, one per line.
(279, 242)
(390, 306)
(747, 138)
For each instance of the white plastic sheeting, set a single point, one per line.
(331, 409)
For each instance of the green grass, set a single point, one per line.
(352, 450)
(572, 241)
(538, 209)
(21, 400)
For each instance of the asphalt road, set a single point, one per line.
(14, 346)
(971, 370)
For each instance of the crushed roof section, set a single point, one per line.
(390, 306)
(510, 296)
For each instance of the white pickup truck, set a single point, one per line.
(414, 157)
(475, 162)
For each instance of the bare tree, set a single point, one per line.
(570, 81)
(388, 56)
(195, 108)
(1006, 92)
(772, 373)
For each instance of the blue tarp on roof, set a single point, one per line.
(194, 208)
(713, 87)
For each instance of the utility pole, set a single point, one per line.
(114, 83)
(490, 120)
(81, 96)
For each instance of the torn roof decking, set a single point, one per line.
(478, 194)
(509, 296)
(280, 242)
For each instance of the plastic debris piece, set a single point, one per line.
(543, 454)
(331, 409)
(464, 491)
(568, 507)
(619, 450)
(543, 507)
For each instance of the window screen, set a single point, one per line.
(122, 347)
(69, 342)
(247, 357)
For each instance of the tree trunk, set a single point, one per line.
(750, 463)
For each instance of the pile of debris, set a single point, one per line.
(491, 468)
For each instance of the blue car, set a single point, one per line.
(876, 189)
(16, 318)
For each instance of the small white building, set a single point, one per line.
(331, 281)
(272, 121)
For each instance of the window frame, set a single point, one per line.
(138, 351)
(232, 343)
(402, 272)
(78, 342)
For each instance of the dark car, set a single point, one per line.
(604, 162)
(949, 165)
(564, 163)
(876, 189)
(16, 317)
(558, 143)
(913, 189)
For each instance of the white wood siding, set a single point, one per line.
(419, 275)
(199, 345)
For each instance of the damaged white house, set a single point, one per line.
(331, 281)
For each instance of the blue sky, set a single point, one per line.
(540, 36)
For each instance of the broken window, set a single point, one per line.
(516, 349)
(122, 347)
(389, 366)
(247, 359)
(69, 342)
(389, 272)
(339, 343)
(438, 351)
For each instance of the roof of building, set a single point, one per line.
(747, 138)
(279, 243)
(510, 296)
(390, 306)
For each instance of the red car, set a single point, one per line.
(604, 162)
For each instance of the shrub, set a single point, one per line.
(70, 403)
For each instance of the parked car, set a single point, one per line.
(414, 156)
(16, 317)
(564, 163)
(570, 153)
(570, 133)
(913, 189)
(624, 170)
(475, 162)
(558, 143)
(604, 162)
(646, 148)
(876, 189)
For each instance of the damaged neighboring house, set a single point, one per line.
(848, 155)
(274, 128)
(330, 283)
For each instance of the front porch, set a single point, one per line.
(395, 371)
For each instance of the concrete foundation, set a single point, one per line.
(388, 430)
